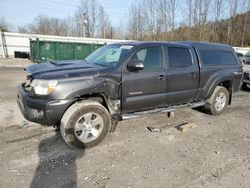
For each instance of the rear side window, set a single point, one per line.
(179, 57)
(213, 57)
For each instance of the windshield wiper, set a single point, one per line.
(100, 64)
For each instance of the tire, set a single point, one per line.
(85, 124)
(218, 101)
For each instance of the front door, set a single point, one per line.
(145, 89)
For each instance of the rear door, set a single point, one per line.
(182, 75)
(145, 89)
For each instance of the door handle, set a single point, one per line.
(161, 77)
(193, 75)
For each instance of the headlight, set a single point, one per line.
(44, 87)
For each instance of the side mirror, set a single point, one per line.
(135, 65)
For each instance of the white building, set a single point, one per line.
(11, 42)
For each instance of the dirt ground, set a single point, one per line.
(214, 154)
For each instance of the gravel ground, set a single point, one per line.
(214, 154)
(15, 62)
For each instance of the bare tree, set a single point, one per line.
(46, 26)
(201, 16)
(59, 27)
(233, 5)
(246, 7)
(136, 21)
(205, 20)
(120, 30)
(162, 15)
(218, 5)
(190, 5)
(70, 22)
(172, 4)
(41, 25)
(89, 19)
(104, 27)
(198, 11)
(198, 16)
(166, 17)
(150, 16)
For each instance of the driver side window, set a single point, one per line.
(152, 58)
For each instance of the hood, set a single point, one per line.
(57, 67)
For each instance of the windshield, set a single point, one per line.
(109, 55)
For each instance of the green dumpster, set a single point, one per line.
(42, 51)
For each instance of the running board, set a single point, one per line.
(139, 114)
(161, 110)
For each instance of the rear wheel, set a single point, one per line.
(85, 124)
(218, 101)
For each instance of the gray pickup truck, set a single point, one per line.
(120, 81)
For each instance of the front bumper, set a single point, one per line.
(41, 110)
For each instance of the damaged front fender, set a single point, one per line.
(110, 87)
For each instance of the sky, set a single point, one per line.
(20, 12)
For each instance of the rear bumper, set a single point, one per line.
(40, 110)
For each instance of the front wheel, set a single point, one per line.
(85, 124)
(218, 101)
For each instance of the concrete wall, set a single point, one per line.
(11, 42)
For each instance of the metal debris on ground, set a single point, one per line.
(153, 129)
(24, 123)
(185, 126)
